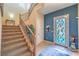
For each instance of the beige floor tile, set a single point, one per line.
(45, 43)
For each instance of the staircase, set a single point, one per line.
(13, 42)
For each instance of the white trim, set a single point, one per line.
(0, 31)
(78, 25)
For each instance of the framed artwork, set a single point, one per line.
(10, 22)
(47, 28)
(61, 30)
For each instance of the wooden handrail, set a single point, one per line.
(30, 42)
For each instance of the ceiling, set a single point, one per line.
(51, 7)
(24, 7)
(16, 7)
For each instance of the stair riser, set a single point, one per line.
(10, 28)
(10, 34)
(11, 31)
(11, 38)
(4, 40)
(12, 42)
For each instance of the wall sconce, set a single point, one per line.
(11, 16)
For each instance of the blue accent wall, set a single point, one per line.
(73, 22)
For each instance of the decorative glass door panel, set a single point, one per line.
(60, 31)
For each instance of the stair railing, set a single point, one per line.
(30, 40)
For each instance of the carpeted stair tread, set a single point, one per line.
(11, 42)
(16, 52)
(14, 46)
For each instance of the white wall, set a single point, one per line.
(37, 19)
(6, 15)
(39, 29)
(39, 24)
(14, 9)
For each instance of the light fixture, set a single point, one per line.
(11, 15)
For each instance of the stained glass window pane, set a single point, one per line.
(60, 31)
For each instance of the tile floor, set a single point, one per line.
(44, 44)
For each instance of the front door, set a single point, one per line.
(61, 30)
